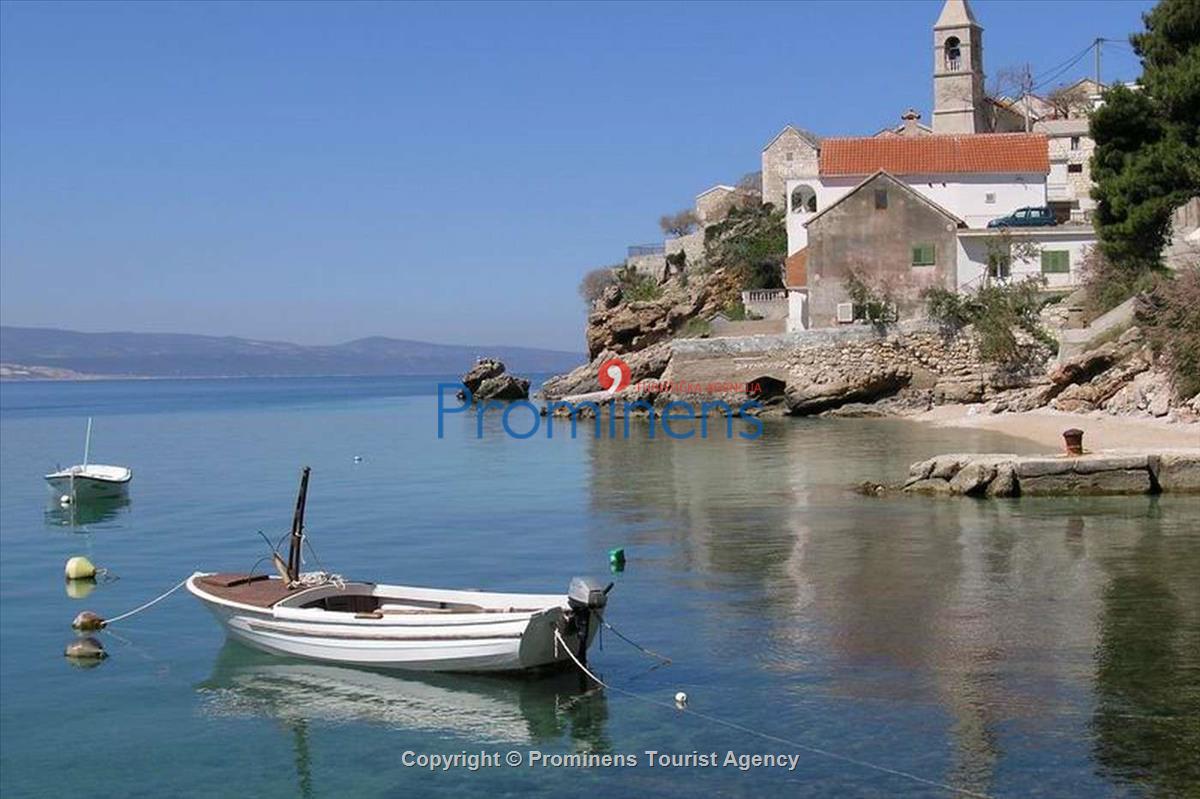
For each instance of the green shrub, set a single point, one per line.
(696, 328)
(751, 245)
(1171, 319)
(994, 311)
(872, 301)
(636, 287)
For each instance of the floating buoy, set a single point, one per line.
(85, 649)
(358, 458)
(616, 559)
(80, 568)
(79, 589)
(87, 621)
(65, 499)
(680, 699)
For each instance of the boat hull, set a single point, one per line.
(85, 488)
(471, 642)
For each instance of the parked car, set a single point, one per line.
(1033, 216)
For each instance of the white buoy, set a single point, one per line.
(65, 499)
(358, 458)
(80, 568)
(680, 699)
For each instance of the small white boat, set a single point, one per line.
(325, 618)
(90, 480)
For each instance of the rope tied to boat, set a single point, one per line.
(90, 621)
(650, 652)
(315, 579)
(733, 725)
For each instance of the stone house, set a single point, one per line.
(793, 153)
(1069, 186)
(713, 205)
(893, 236)
(977, 177)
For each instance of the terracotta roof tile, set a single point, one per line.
(923, 155)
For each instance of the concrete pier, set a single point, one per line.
(1092, 473)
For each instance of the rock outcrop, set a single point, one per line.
(647, 364)
(834, 389)
(488, 380)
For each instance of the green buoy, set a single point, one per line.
(616, 559)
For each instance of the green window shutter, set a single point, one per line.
(1056, 262)
(923, 255)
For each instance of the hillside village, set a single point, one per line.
(849, 235)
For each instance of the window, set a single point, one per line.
(788, 156)
(880, 199)
(1075, 168)
(1074, 142)
(953, 54)
(923, 254)
(990, 198)
(804, 200)
(1056, 262)
(1021, 214)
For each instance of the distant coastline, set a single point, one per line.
(48, 354)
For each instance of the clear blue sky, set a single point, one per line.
(446, 172)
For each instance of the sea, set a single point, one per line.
(829, 644)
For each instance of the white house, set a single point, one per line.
(1054, 253)
(976, 177)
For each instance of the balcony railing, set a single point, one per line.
(764, 295)
(645, 249)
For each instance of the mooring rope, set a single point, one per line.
(154, 601)
(635, 644)
(314, 579)
(768, 736)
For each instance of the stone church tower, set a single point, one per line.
(958, 98)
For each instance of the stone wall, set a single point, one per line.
(722, 327)
(651, 264)
(691, 245)
(930, 366)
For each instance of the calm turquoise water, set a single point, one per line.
(1023, 648)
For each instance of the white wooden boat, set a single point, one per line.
(325, 618)
(87, 481)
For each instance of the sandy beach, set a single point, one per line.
(1101, 431)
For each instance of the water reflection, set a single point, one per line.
(488, 709)
(86, 512)
(993, 620)
(1147, 717)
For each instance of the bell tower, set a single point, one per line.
(958, 99)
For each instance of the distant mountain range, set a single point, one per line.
(46, 353)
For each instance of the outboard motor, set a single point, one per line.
(586, 596)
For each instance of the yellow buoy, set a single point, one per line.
(80, 589)
(87, 621)
(80, 568)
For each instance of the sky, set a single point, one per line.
(447, 172)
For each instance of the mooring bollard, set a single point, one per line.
(1074, 440)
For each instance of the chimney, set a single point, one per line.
(912, 120)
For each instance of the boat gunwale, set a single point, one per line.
(277, 611)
